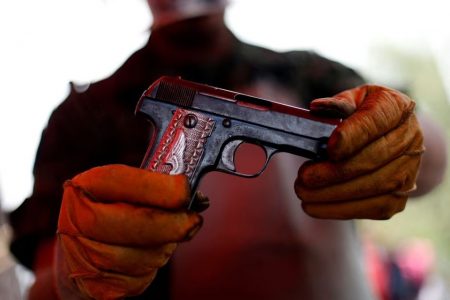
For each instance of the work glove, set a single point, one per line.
(374, 156)
(117, 226)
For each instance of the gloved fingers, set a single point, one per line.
(398, 175)
(123, 223)
(132, 261)
(121, 183)
(399, 141)
(380, 207)
(341, 105)
(200, 202)
(376, 111)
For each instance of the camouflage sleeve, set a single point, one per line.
(69, 144)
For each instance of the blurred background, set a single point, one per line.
(46, 44)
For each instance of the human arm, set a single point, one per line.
(118, 225)
(84, 131)
(67, 147)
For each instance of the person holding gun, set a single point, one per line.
(117, 225)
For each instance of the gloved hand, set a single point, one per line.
(117, 226)
(374, 156)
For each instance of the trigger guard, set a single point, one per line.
(227, 159)
(269, 153)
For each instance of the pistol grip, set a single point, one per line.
(181, 147)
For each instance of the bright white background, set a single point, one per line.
(44, 44)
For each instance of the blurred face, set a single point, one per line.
(170, 11)
(190, 31)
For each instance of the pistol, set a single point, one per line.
(198, 128)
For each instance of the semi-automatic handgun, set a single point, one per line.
(198, 128)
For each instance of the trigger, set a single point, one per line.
(228, 154)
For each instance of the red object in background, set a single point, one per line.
(377, 269)
(401, 273)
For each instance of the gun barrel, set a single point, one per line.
(237, 106)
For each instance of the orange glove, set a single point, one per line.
(117, 226)
(374, 156)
